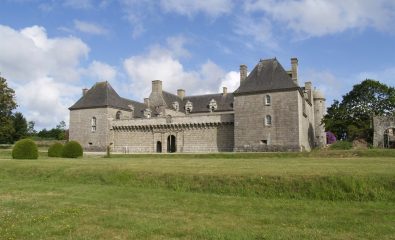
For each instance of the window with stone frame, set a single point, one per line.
(188, 107)
(268, 100)
(118, 115)
(212, 105)
(147, 113)
(176, 106)
(93, 124)
(268, 120)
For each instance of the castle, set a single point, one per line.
(269, 111)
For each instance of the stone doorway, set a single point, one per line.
(158, 146)
(389, 138)
(171, 144)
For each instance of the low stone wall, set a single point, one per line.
(268, 148)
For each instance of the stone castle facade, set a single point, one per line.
(269, 111)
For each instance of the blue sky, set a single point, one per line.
(50, 50)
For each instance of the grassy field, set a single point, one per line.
(318, 195)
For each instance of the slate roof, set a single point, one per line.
(103, 95)
(268, 75)
(200, 103)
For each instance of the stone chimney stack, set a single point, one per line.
(146, 102)
(224, 90)
(294, 70)
(243, 73)
(157, 86)
(308, 89)
(84, 91)
(181, 93)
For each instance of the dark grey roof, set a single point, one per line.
(103, 95)
(268, 75)
(200, 103)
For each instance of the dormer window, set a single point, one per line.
(131, 107)
(93, 124)
(212, 105)
(176, 106)
(118, 115)
(188, 107)
(147, 113)
(268, 120)
(268, 100)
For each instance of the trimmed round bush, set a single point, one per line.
(25, 149)
(72, 149)
(55, 150)
(341, 145)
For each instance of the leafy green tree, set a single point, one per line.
(351, 118)
(7, 104)
(20, 126)
(30, 128)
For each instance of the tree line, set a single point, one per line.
(14, 126)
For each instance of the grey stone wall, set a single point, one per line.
(250, 129)
(306, 124)
(203, 138)
(380, 124)
(81, 127)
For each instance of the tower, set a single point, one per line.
(319, 112)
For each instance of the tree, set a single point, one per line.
(30, 128)
(7, 104)
(20, 126)
(352, 117)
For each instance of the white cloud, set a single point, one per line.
(312, 18)
(101, 71)
(231, 81)
(259, 29)
(211, 8)
(42, 71)
(91, 28)
(163, 64)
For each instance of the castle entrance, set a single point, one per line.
(171, 144)
(158, 146)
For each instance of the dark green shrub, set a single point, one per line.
(341, 145)
(55, 150)
(25, 149)
(72, 149)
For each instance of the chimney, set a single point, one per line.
(294, 70)
(157, 86)
(146, 102)
(181, 93)
(224, 91)
(307, 87)
(243, 73)
(84, 91)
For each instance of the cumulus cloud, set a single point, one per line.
(42, 71)
(211, 8)
(91, 28)
(258, 29)
(100, 71)
(311, 18)
(162, 63)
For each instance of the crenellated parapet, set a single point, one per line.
(173, 123)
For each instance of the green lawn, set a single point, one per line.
(321, 195)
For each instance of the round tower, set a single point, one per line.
(319, 112)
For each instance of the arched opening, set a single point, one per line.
(158, 146)
(171, 144)
(389, 138)
(268, 120)
(118, 115)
